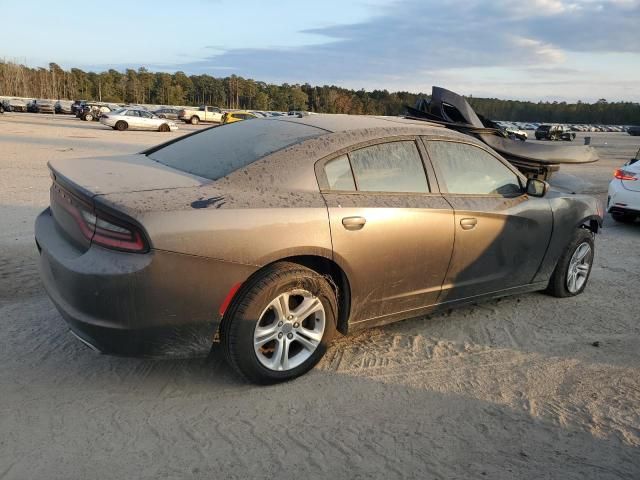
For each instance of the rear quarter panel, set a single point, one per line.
(235, 226)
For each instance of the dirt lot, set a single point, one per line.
(508, 389)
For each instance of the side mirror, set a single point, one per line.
(536, 187)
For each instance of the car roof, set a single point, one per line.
(336, 123)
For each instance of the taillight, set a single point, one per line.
(103, 229)
(621, 174)
(113, 233)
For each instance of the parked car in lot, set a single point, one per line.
(77, 106)
(554, 132)
(166, 112)
(364, 221)
(238, 116)
(44, 106)
(63, 107)
(203, 113)
(623, 199)
(633, 131)
(17, 105)
(5, 106)
(517, 133)
(136, 119)
(92, 111)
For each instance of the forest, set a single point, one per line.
(145, 87)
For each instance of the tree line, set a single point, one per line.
(142, 86)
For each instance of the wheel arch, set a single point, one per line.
(592, 223)
(332, 272)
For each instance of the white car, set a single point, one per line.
(623, 201)
(136, 119)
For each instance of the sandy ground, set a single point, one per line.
(503, 390)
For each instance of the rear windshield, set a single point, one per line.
(216, 152)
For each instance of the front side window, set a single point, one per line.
(467, 169)
(389, 167)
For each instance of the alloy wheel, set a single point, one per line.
(579, 267)
(289, 330)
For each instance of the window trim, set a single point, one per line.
(440, 177)
(323, 182)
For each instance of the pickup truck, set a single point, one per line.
(201, 114)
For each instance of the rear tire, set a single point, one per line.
(267, 334)
(194, 120)
(572, 272)
(121, 126)
(88, 117)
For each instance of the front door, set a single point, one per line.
(392, 235)
(501, 234)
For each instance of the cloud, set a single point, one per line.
(411, 41)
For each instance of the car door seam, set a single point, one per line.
(453, 246)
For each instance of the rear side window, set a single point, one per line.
(339, 175)
(467, 169)
(216, 152)
(389, 167)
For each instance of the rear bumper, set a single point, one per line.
(621, 200)
(158, 304)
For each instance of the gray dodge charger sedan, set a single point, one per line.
(272, 235)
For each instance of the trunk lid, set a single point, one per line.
(76, 183)
(120, 174)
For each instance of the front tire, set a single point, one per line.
(280, 323)
(572, 272)
(164, 128)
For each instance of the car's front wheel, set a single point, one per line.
(280, 323)
(572, 272)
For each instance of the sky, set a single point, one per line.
(533, 49)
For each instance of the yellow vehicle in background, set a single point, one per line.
(231, 117)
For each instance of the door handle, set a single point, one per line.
(353, 223)
(468, 223)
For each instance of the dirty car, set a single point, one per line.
(272, 235)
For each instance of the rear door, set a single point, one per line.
(501, 234)
(391, 231)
